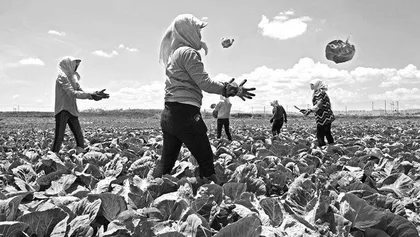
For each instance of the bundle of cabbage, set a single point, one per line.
(339, 51)
(226, 42)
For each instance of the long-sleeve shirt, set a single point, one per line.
(322, 108)
(223, 109)
(279, 113)
(66, 93)
(186, 78)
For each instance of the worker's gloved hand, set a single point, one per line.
(306, 112)
(102, 94)
(95, 97)
(271, 120)
(233, 89)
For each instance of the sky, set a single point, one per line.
(279, 47)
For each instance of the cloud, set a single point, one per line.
(32, 61)
(204, 18)
(53, 32)
(388, 77)
(282, 26)
(398, 94)
(121, 46)
(149, 96)
(352, 89)
(14, 97)
(101, 53)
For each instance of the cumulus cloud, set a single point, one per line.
(121, 46)
(283, 26)
(352, 89)
(32, 61)
(101, 53)
(204, 18)
(398, 94)
(388, 77)
(14, 97)
(53, 32)
(149, 96)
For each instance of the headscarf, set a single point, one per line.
(274, 103)
(183, 31)
(318, 85)
(67, 67)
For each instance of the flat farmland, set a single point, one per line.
(366, 184)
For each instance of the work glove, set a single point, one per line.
(271, 120)
(99, 95)
(306, 112)
(95, 96)
(102, 94)
(233, 89)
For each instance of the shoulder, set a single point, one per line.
(320, 93)
(62, 78)
(186, 51)
(186, 55)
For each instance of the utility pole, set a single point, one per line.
(385, 106)
(372, 105)
(392, 106)
(398, 107)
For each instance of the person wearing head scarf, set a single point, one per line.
(67, 90)
(223, 115)
(322, 110)
(186, 79)
(279, 115)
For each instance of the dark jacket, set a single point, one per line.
(279, 113)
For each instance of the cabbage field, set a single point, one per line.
(367, 184)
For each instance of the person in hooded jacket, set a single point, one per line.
(223, 115)
(67, 90)
(279, 115)
(181, 120)
(322, 110)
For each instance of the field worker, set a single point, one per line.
(279, 115)
(181, 120)
(322, 110)
(223, 114)
(67, 90)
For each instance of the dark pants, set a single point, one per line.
(183, 124)
(324, 131)
(277, 125)
(61, 120)
(223, 122)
